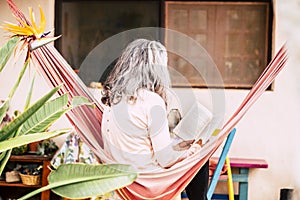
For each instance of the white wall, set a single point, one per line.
(270, 128)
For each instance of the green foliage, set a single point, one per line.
(7, 50)
(47, 147)
(35, 119)
(12, 92)
(7, 131)
(26, 139)
(31, 125)
(3, 109)
(78, 181)
(46, 115)
(79, 101)
(20, 150)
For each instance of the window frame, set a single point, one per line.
(162, 21)
(268, 37)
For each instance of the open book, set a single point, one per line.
(193, 125)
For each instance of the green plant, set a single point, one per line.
(77, 181)
(31, 125)
(19, 131)
(47, 147)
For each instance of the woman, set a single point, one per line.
(134, 125)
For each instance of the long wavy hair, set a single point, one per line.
(142, 65)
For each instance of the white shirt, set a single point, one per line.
(138, 134)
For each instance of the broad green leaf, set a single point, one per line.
(6, 51)
(80, 100)
(26, 139)
(7, 131)
(90, 180)
(6, 146)
(3, 109)
(77, 181)
(46, 115)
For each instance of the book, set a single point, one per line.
(194, 124)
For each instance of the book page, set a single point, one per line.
(194, 123)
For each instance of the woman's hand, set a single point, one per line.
(213, 165)
(183, 145)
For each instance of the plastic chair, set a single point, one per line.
(217, 172)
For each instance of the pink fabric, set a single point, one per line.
(170, 183)
(162, 185)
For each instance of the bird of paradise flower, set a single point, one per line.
(34, 36)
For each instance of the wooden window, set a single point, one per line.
(235, 34)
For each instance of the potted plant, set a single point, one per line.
(46, 147)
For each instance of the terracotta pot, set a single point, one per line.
(33, 147)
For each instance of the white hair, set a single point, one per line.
(143, 64)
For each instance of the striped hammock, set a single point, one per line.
(163, 185)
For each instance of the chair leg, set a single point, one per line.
(229, 180)
(220, 164)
